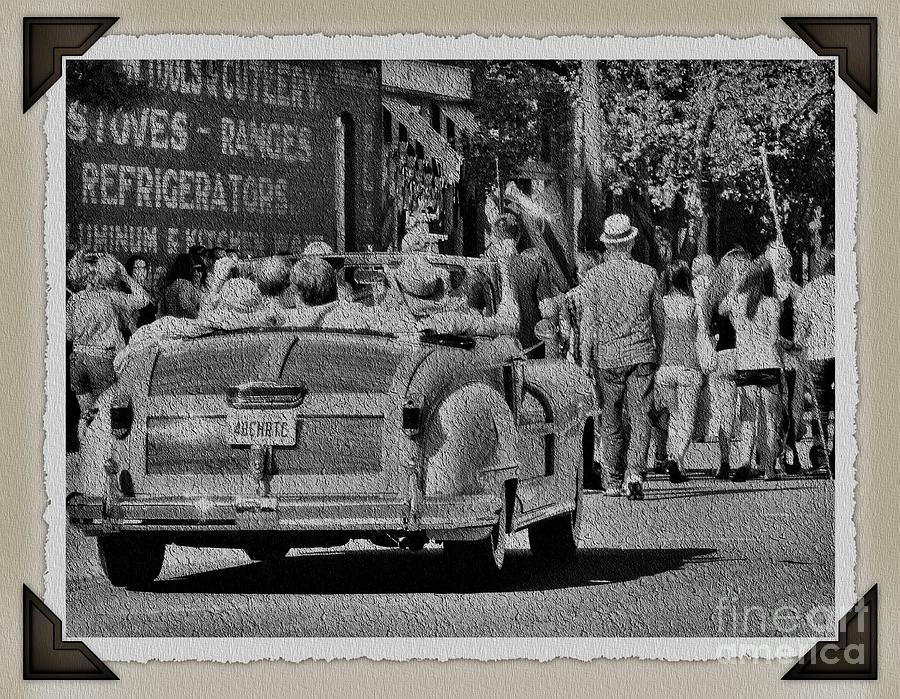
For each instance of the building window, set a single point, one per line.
(387, 125)
(435, 117)
(345, 183)
(401, 133)
(451, 132)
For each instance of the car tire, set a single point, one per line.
(266, 553)
(556, 539)
(130, 561)
(482, 558)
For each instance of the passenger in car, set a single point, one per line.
(273, 277)
(528, 273)
(239, 305)
(319, 303)
(421, 288)
(314, 286)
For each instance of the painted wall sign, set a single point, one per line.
(237, 154)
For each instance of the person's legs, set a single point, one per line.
(724, 399)
(822, 378)
(768, 438)
(90, 376)
(660, 429)
(663, 389)
(612, 386)
(594, 479)
(684, 413)
(790, 435)
(639, 398)
(747, 416)
(80, 382)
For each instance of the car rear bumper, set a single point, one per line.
(470, 517)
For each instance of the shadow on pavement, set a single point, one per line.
(401, 572)
(686, 491)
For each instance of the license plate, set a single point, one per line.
(262, 428)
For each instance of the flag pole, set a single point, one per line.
(771, 188)
(497, 175)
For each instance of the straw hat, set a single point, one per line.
(617, 230)
(417, 277)
(414, 242)
(318, 247)
(241, 305)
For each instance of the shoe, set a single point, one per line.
(675, 473)
(724, 471)
(593, 479)
(613, 491)
(772, 477)
(741, 475)
(792, 468)
(817, 458)
(659, 466)
(634, 490)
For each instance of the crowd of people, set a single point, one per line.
(738, 338)
(112, 311)
(742, 329)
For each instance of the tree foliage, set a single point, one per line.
(521, 108)
(689, 133)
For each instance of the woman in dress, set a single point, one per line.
(678, 378)
(755, 313)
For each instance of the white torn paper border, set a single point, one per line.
(468, 47)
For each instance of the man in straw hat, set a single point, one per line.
(622, 327)
(421, 290)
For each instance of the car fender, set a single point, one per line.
(470, 443)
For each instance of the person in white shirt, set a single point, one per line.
(755, 312)
(678, 378)
(94, 320)
(716, 341)
(814, 318)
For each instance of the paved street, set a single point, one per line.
(654, 568)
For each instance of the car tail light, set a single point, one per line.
(412, 416)
(121, 415)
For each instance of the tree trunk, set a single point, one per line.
(592, 193)
(701, 163)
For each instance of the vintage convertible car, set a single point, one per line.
(276, 438)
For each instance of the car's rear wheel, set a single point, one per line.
(266, 552)
(129, 561)
(556, 539)
(484, 557)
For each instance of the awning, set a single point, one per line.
(462, 117)
(419, 129)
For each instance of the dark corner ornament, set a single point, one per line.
(853, 41)
(853, 656)
(45, 656)
(45, 41)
